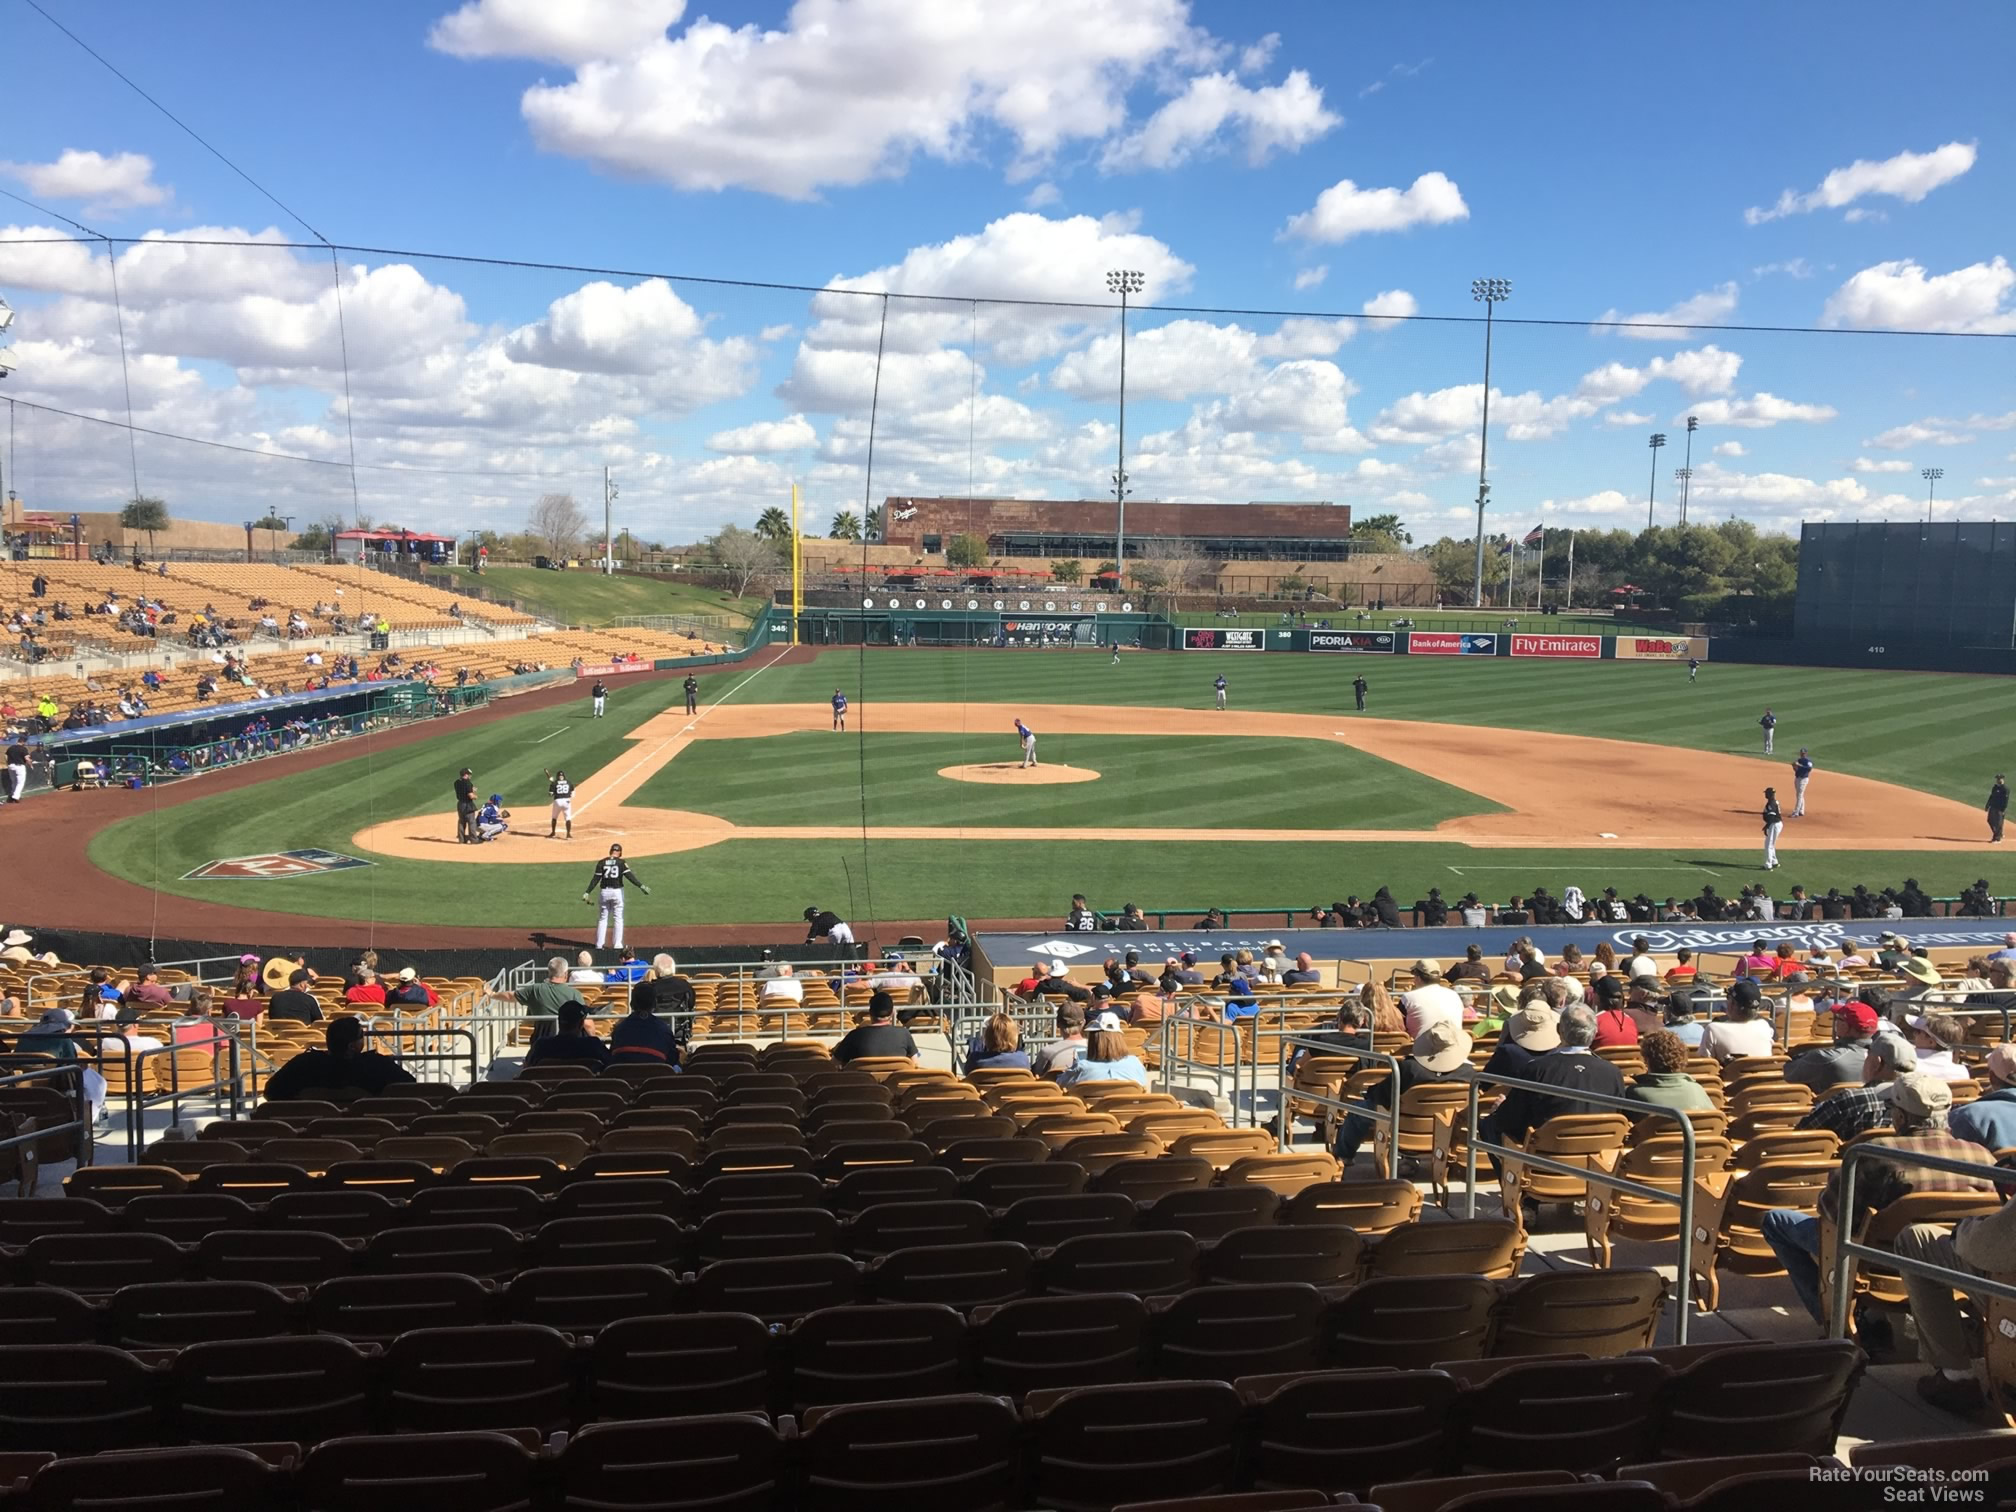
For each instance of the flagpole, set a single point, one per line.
(1568, 602)
(1511, 563)
(1540, 573)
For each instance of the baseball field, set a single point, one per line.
(1485, 773)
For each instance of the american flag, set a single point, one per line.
(1535, 536)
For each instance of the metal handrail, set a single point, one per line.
(375, 1028)
(1169, 1058)
(1322, 1047)
(81, 1123)
(1847, 1247)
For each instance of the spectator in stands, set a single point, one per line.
(1062, 1053)
(1677, 1017)
(1273, 962)
(344, 1063)
(1682, 970)
(294, 1002)
(1641, 963)
(1303, 973)
(1990, 1120)
(998, 1045)
(658, 1024)
(1060, 982)
(1352, 1032)
(1433, 909)
(1742, 1030)
(584, 972)
(1614, 1024)
(365, 987)
(784, 986)
(1472, 968)
(1919, 1105)
(1986, 1246)
(1856, 1024)
(411, 991)
(1935, 1036)
(1475, 914)
(570, 1041)
(1572, 1068)
(1645, 1003)
(896, 978)
(1106, 1056)
(1441, 1053)
(1917, 969)
(1430, 999)
(1385, 1014)
(880, 1036)
(148, 990)
(1856, 1110)
(545, 999)
(1530, 1033)
(1664, 1083)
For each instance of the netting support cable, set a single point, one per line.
(861, 674)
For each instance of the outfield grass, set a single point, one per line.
(817, 778)
(1945, 734)
(581, 596)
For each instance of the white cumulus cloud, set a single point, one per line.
(574, 32)
(1344, 210)
(1213, 107)
(1707, 308)
(1902, 293)
(123, 181)
(792, 433)
(1387, 308)
(1731, 449)
(1761, 410)
(1309, 278)
(1880, 465)
(1909, 176)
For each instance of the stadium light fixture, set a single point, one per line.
(1931, 475)
(1489, 292)
(6, 316)
(1658, 440)
(1125, 282)
(1687, 467)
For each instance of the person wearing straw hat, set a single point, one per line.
(1528, 1034)
(1441, 1053)
(1918, 970)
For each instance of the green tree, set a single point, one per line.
(146, 514)
(774, 526)
(1068, 570)
(846, 526)
(1380, 533)
(871, 525)
(966, 550)
(314, 538)
(746, 556)
(1454, 563)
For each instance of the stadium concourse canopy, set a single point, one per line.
(405, 545)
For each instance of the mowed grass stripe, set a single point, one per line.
(1203, 782)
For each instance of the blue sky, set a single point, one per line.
(1792, 164)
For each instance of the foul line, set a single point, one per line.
(544, 738)
(684, 732)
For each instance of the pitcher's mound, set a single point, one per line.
(1014, 772)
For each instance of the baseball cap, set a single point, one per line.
(1921, 1095)
(1860, 1015)
(407, 973)
(1071, 1015)
(2002, 1062)
(1534, 1028)
(1427, 966)
(1923, 1024)
(1894, 1054)
(1107, 1021)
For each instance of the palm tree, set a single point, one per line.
(774, 525)
(872, 526)
(846, 526)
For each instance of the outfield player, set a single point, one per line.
(1802, 773)
(605, 889)
(692, 693)
(1773, 822)
(493, 820)
(1219, 688)
(1693, 668)
(563, 804)
(600, 693)
(1358, 687)
(1769, 725)
(839, 711)
(1028, 738)
(1116, 655)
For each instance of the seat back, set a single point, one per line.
(1596, 1313)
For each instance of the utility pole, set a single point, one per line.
(1124, 282)
(1686, 473)
(1488, 292)
(608, 498)
(1651, 497)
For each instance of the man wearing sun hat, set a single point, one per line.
(1919, 1105)
(1528, 1034)
(1441, 1053)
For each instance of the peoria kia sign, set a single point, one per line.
(273, 865)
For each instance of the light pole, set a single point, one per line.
(1124, 282)
(287, 524)
(1487, 292)
(1687, 468)
(608, 498)
(1652, 493)
(1931, 475)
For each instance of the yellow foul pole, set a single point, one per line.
(797, 569)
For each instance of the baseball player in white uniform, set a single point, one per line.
(563, 804)
(605, 889)
(1774, 821)
(1028, 738)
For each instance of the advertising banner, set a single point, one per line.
(1662, 647)
(1370, 642)
(1450, 643)
(610, 669)
(1579, 646)
(1224, 640)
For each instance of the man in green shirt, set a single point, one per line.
(545, 999)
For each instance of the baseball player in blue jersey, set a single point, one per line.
(1219, 688)
(605, 889)
(1802, 772)
(1769, 725)
(493, 819)
(1027, 737)
(839, 710)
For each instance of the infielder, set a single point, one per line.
(1219, 688)
(692, 694)
(839, 711)
(1998, 807)
(1028, 738)
(600, 693)
(1802, 772)
(605, 888)
(493, 819)
(563, 804)
(1773, 822)
(1769, 724)
(1358, 687)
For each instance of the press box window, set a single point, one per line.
(934, 543)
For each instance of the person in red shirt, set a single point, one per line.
(365, 989)
(1683, 968)
(1614, 1024)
